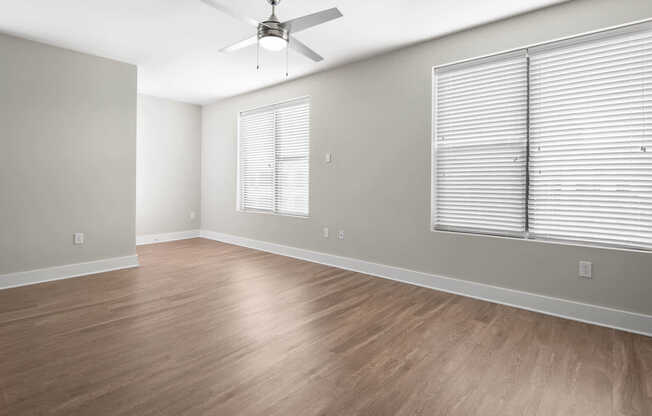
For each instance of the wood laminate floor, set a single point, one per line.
(204, 328)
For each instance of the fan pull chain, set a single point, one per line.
(257, 54)
(287, 59)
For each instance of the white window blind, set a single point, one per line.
(273, 160)
(479, 145)
(590, 139)
(552, 142)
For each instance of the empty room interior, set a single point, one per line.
(326, 207)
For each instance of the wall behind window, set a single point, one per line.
(67, 156)
(168, 174)
(375, 117)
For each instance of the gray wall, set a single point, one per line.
(67, 156)
(168, 173)
(375, 117)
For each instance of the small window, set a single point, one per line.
(273, 158)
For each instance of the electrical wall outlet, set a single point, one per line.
(340, 234)
(192, 215)
(586, 269)
(78, 238)
(325, 232)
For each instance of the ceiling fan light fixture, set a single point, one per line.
(273, 43)
(273, 35)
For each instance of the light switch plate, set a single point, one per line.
(585, 269)
(78, 238)
(328, 158)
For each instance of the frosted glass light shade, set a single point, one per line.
(273, 43)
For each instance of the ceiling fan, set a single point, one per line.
(274, 35)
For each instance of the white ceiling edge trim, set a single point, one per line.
(562, 308)
(65, 46)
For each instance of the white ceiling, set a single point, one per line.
(175, 43)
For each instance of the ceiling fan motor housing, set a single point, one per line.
(272, 28)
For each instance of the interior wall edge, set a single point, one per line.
(168, 192)
(68, 138)
(563, 308)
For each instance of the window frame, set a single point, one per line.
(238, 205)
(640, 25)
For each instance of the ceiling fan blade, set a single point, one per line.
(241, 44)
(308, 21)
(304, 50)
(228, 10)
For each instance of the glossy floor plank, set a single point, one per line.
(204, 328)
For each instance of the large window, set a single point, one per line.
(550, 142)
(273, 158)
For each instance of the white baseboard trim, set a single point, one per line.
(165, 237)
(563, 308)
(67, 271)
